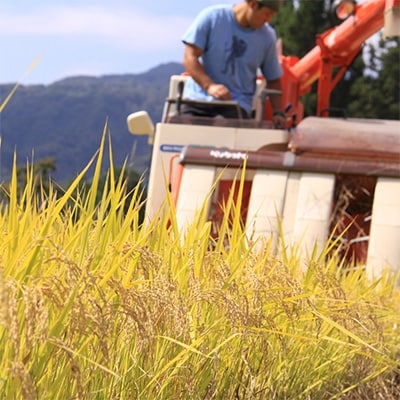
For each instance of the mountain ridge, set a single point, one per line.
(65, 120)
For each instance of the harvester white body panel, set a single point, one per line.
(171, 138)
(293, 185)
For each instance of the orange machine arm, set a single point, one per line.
(336, 47)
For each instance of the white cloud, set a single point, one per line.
(127, 28)
(91, 37)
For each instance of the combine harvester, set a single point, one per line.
(318, 178)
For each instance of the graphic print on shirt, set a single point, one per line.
(236, 50)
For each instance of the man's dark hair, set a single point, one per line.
(272, 4)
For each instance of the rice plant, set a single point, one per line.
(103, 307)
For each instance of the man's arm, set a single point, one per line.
(196, 70)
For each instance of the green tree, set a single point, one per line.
(41, 173)
(378, 97)
(132, 180)
(298, 25)
(39, 176)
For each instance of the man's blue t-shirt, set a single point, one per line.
(232, 54)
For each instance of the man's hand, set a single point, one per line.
(197, 72)
(219, 91)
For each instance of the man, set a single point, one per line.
(225, 47)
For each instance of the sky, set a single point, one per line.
(43, 41)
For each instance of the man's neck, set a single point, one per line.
(240, 12)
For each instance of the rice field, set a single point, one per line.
(102, 307)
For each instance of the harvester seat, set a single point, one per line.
(176, 87)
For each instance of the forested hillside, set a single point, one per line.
(65, 120)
